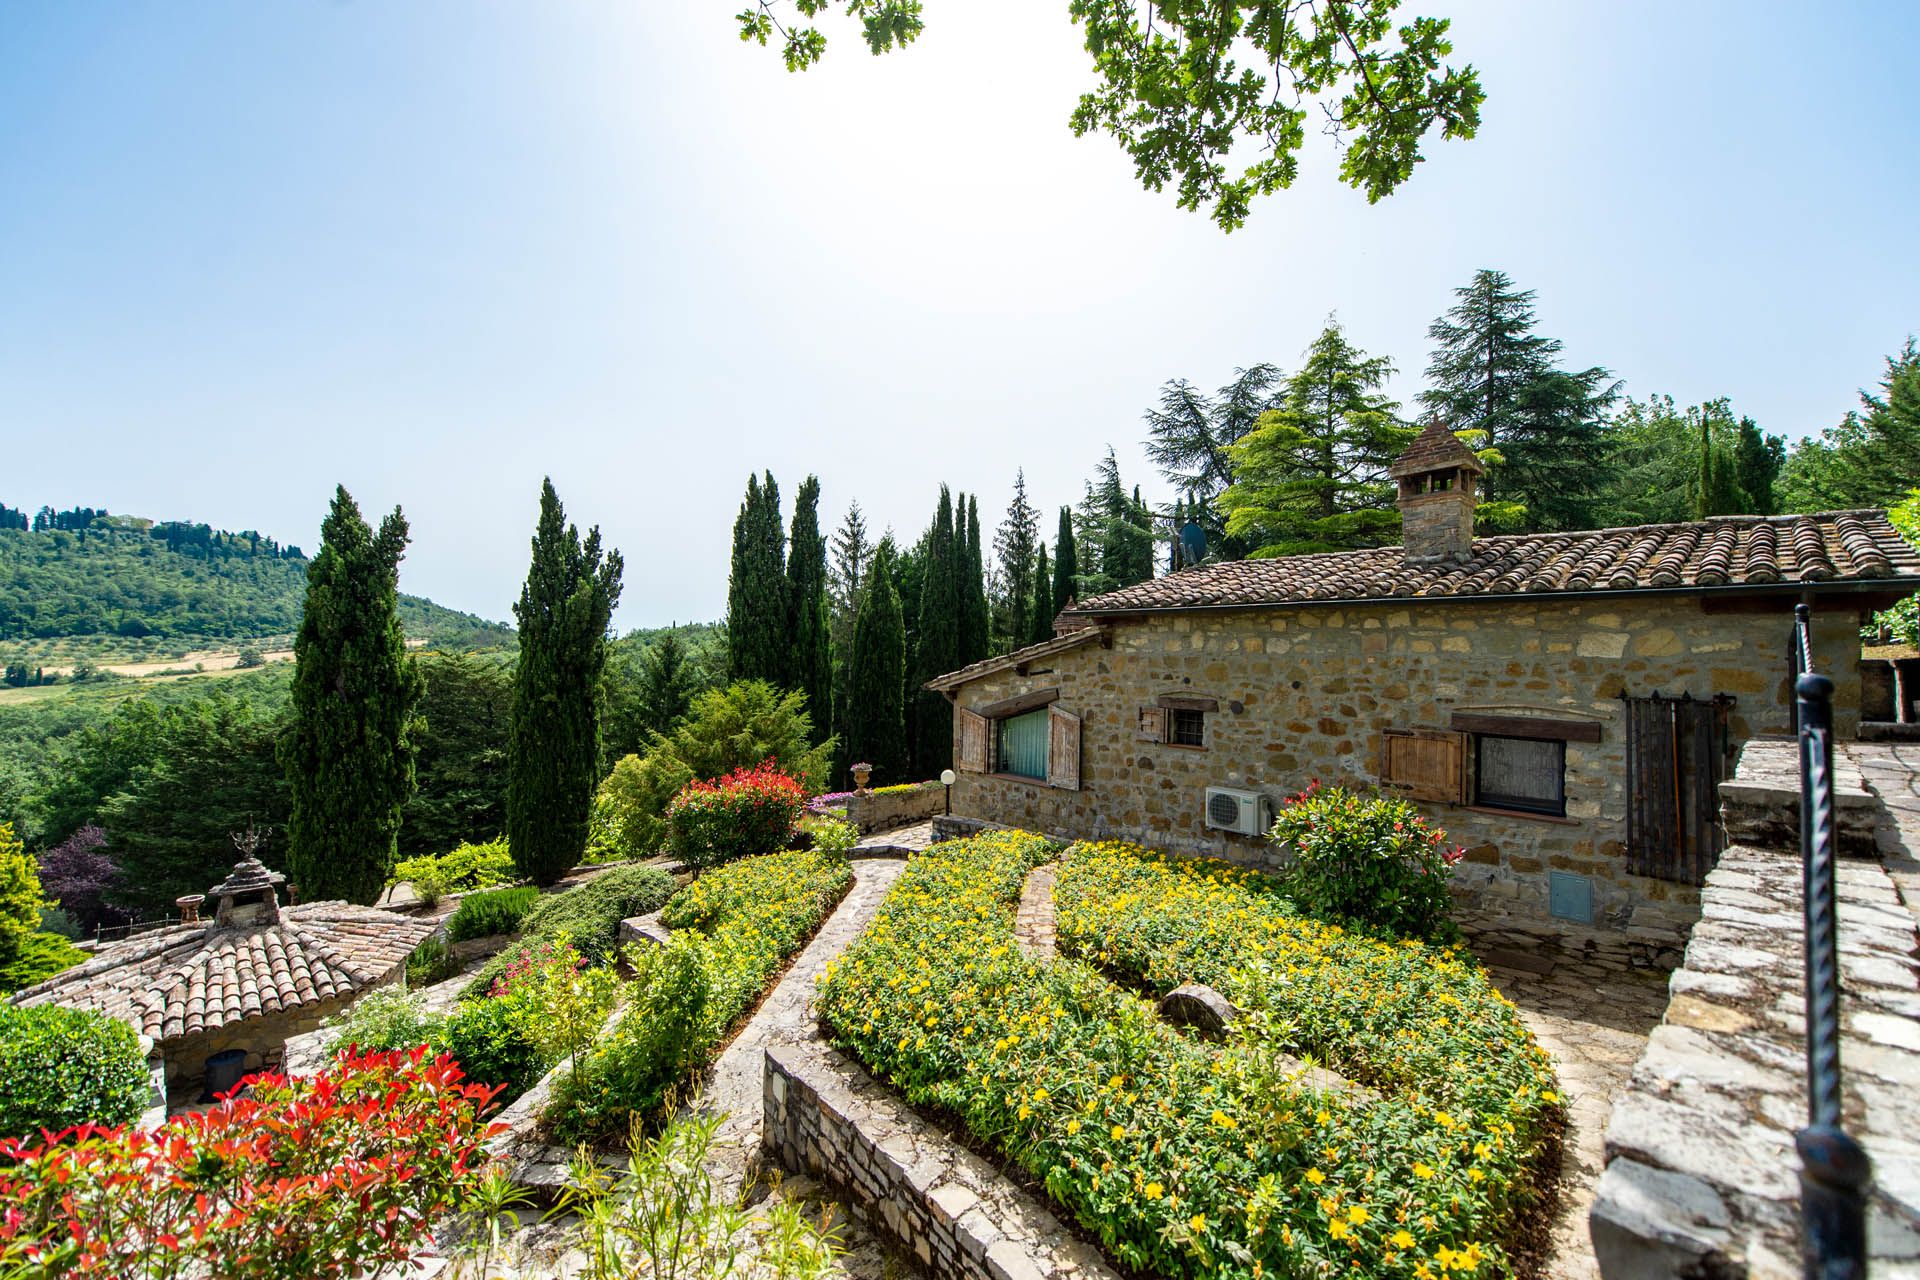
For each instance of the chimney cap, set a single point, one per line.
(1435, 449)
(250, 875)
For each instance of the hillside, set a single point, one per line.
(120, 588)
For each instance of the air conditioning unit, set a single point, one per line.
(1243, 812)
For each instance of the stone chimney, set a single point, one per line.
(1436, 476)
(248, 897)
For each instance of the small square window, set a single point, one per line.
(1528, 775)
(1187, 728)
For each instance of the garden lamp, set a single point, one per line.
(946, 780)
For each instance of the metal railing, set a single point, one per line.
(1799, 660)
(1834, 1170)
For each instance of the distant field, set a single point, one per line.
(61, 652)
(135, 682)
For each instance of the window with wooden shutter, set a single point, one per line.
(1424, 764)
(1153, 724)
(970, 741)
(1063, 749)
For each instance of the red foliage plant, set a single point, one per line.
(747, 812)
(331, 1176)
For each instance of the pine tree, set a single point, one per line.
(349, 753)
(876, 683)
(1013, 546)
(938, 649)
(1313, 475)
(758, 646)
(666, 682)
(1491, 373)
(975, 624)
(554, 738)
(1040, 625)
(1191, 433)
(1116, 533)
(1066, 566)
(1871, 458)
(808, 631)
(1757, 460)
(851, 554)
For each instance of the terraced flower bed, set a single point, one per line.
(1185, 1158)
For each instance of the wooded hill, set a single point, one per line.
(125, 579)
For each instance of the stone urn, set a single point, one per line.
(861, 772)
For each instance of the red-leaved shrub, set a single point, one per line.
(325, 1177)
(747, 812)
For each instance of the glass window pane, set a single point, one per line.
(1023, 744)
(1521, 773)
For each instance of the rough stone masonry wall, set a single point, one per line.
(1702, 1177)
(1305, 692)
(945, 1206)
(873, 812)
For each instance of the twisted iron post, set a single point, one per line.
(1834, 1171)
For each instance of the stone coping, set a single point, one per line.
(1702, 1176)
(948, 1208)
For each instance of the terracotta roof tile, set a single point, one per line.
(1726, 551)
(191, 978)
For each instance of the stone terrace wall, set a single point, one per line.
(1702, 1177)
(945, 1206)
(873, 812)
(1304, 693)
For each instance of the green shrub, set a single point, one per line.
(481, 915)
(469, 867)
(63, 1067)
(481, 1037)
(630, 809)
(590, 914)
(432, 961)
(659, 1042)
(1369, 862)
(831, 835)
(744, 814)
(39, 957)
(385, 1020)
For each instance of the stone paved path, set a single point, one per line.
(1595, 1022)
(1033, 927)
(1892, 770)
(900, 842)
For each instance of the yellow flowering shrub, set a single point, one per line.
(1183, 1157)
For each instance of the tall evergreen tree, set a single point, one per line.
(976, 639)
(349, 751)
(1040, 626)
(938, 649)
(667, 682)
(1066, 566)
(554, 740)
(1313, 475)
(1116, 533)
(1757, 460)
(758, 646)
(1013, 546)
(876, 684)
(808, 628)
(1492, 374)
(1872, 457)
(851, 554)
(1190, 434)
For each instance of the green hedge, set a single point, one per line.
(482, 915)
(590, 916)
(63, 1067)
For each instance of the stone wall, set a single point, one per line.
(947, 1208)
(1304, 693)
(871, 812)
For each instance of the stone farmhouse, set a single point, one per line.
(218, 999)
(1564, 704)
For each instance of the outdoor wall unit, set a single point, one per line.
(1235, 809)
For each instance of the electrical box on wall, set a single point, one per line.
(1570, 897)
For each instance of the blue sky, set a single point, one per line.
(437, 250)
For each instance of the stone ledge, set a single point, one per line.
(948, 1208)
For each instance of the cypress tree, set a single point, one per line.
(975, 625)
(757, 602)
(1066, 566)
(938, 651)
(349, 754)
(808, 625)
(554, 737)
(876, 675)
(1040, 624)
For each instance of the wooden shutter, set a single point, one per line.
(1424, 764)
(970, 741)
(1063, 749)
(1153, 724)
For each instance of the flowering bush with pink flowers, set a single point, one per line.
(746, 813)
(1368, 861)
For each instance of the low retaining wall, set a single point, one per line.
(898, 1174)
(1702, 1178)
(872, 812)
